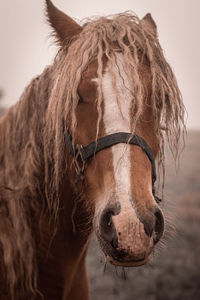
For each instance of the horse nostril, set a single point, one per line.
(106, 225)
(114, 242)
(107, 228)
(153, 223)
(149, 224)
(159, 225)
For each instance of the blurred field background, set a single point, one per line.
(174, 271)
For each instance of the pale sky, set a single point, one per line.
(26, 48)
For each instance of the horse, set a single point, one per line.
(79, 153)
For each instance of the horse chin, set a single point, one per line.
(125, 258)
(127, 263)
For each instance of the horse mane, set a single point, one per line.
(33, 150)
(21, 177)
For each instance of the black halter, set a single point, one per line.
(84, 153)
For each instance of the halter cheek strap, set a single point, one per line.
(107, 141)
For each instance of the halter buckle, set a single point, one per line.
(79, 162)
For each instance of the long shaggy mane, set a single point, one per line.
(32, 134)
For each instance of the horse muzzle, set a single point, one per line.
(126, 238)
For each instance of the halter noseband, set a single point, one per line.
(84, 153)
(77, 150)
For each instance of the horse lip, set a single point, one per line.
(128, 263)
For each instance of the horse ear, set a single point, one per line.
(149, 24)
(64, 26)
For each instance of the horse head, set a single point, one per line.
(117, 82)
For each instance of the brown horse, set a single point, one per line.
(78, 152)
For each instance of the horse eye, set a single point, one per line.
(80, 100)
